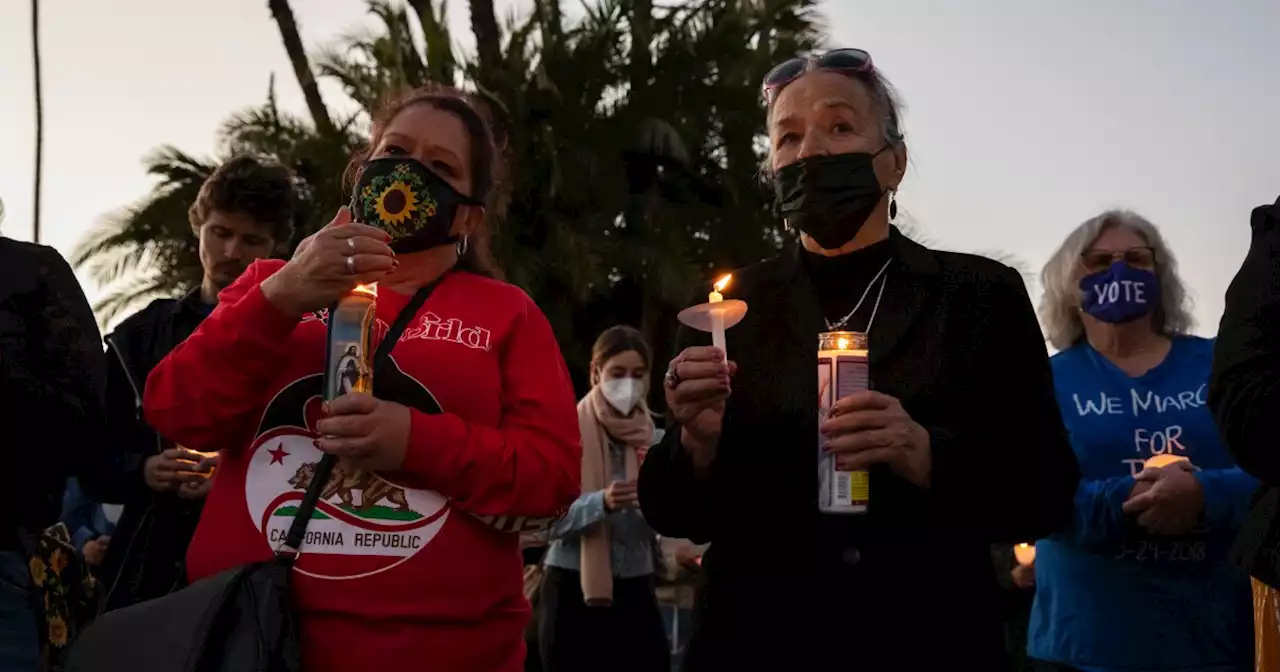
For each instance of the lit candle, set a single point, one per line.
(1025, 554)
(842, 371)
(717, 315)
(204, 456)
(368, 290)
(1164, 460)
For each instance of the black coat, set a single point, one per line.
(910, 585)
(146, 557)
(51, 385)
(1244, 388)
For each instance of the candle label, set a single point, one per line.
(348, 357)
(840, 374)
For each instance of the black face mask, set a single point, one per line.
(407, 200)
(829, 197)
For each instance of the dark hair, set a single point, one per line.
(260, 188)
(613, 342)
(486, 162)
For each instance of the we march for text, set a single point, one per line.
(1147, 441)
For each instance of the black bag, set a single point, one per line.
(242, 620)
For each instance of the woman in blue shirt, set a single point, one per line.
(598, 606)
(1141, 580)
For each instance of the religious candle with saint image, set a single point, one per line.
(842, 371)
(349, 350)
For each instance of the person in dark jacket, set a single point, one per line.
(1244, 388)
(51, 386)
(244, 212)
(960, 421)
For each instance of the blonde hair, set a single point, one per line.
(1060, 303)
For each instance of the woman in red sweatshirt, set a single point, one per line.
(412, 559)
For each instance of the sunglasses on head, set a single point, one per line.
(844, 61)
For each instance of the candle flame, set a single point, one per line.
(1163, 460)
(723, 282)
(1024, 545)
(842, 344)
(370, 289)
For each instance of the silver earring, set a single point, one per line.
(462, 244)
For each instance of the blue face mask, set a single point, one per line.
(1120, 294)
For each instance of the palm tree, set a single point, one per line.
(633, 133)
(484, 25)
(283, 15)
(147, 250)
(35, 56)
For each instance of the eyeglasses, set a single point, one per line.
(1097, 260)
(843, 61)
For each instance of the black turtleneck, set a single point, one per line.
(838, 282)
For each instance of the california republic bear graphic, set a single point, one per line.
(344, 482)
(363, 524)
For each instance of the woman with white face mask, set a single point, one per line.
(598, 608)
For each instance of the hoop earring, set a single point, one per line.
(893, 205)
(461, 246)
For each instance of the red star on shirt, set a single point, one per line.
(278, 454)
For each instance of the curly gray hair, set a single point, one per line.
(1060, 303)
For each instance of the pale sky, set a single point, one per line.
(1024, 117)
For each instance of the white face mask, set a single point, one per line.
(623, 393)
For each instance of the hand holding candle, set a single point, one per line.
(196, 465)
(697, 380)
(1167, 497)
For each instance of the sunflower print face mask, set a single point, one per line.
(401, 196)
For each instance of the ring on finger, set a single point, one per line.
(351, 245)
(672, 379)
(351, 263)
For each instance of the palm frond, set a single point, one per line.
(127, 296)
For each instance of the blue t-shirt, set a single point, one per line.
(84, 517)
(1110, 597)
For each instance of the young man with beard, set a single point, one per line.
(244, 212)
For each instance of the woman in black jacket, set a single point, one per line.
(962, 435)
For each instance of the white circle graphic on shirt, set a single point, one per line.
(364, 524)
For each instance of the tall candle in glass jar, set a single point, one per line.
(349, 350)
(842, 371)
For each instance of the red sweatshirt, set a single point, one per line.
(420, 569)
